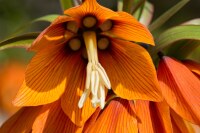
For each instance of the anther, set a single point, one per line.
(89, 21)
(75, 44)
(107, 25)
(72, 26)
(103, 43)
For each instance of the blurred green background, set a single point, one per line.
(15, 14)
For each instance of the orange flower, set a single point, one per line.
(180, 125)
(138, 116)
(40, 119)
(118, 117)
(124, 116)
(83, 54)
(159, 118)
(51, 118)
(180, 88)
(11, 78)
(153, 117)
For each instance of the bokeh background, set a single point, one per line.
(17, 14)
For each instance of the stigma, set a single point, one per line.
(96, 78)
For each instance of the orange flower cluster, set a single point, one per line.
(11, 77)
(90, 52)
(180, 87)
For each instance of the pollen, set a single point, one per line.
(75, 44)
(89, 21)
(107, 25)
(96, 78)
(103, 43)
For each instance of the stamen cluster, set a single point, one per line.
(96, 77)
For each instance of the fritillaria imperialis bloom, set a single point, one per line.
(118, 117)
(85, 53)
(11, 77)
(156, 117)
(180, 88)
(47, 118)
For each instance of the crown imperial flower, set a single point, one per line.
(85, 53)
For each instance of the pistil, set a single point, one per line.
(96, 78)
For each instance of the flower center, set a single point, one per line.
(96, 77)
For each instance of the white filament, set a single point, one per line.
(96, 77)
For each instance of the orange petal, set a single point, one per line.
(128, 28)
(22, 121)
(52, 119)
(118, 117)
(45, 77)
(160, 115)
(131, 71)
(193, 66)
(180, 88)
(144, 117)
(154, 117)
(180, 125)
(90, 7)
(73, 92)
(91, 121)
(52, 35)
